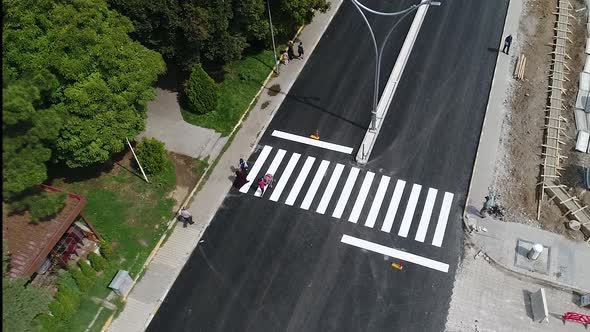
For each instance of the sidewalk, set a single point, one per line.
(147, 295)
(165, 123)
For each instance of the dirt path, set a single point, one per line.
(518, 171)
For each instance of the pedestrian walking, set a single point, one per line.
(243, 166)
(290, 51)
(300, 50)
(285, 58)
(487, 206)
(185, 217)
(507, 43)
(261, 184)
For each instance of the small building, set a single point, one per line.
(35, 247)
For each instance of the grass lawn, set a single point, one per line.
(128, 213)
(242, 81)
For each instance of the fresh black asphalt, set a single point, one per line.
(266, 266)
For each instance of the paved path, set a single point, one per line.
(147, 295)
(487, 299)
(165, 123)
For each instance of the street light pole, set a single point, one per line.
(272, 35)
(379, 50)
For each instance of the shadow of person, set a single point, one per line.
(494, 49)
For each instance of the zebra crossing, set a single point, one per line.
(331, 190)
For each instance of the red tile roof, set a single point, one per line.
(30, 243)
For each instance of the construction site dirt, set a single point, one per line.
(518, 167)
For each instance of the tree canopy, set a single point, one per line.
(74, 86)
(193, 31)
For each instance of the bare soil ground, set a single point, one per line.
(519, 170)
(188, 174)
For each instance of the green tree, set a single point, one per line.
(76, 85)
(152, 155)
(21, 304)
(201, 91)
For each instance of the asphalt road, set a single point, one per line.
(267, 266)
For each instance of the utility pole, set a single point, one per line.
(141, 168)
(272, 35)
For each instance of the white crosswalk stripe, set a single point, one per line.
(361, 198)
(426, 213)
(256, 168)
(330, 189)
(338, 192)
(300, 180)
(443, 217)
(282, 182)
(315, 184)
(354, 172)
(410, 209)
(272, 169)
(372, 217)
(393, 206)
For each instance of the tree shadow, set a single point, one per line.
(309, 101)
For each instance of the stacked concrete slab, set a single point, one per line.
(582, 109)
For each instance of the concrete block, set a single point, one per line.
(583, 100)
(582, 141)
(584, 81)
(580, 117)
(539, 306)
(587, 64)
(588, 46)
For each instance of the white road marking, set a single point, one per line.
(443, 217)
(426, 214)
(315, 184)
(330, 189)
(311, 141)
(272, 169)
(410, 209)
(276, 193)
(372, 217)
(404, 256)
(256, 168)
(393, 205)
(361, 198)
(354, 172)
(300, 180)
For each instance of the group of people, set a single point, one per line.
(289, 54)
(242, 177)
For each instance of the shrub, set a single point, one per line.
(87, 269)
(201, 91)
(39, 203)
(152, 155)
(57, 310)
(106, 250)
(83, 282)
(98, 263)
(66, 281)
(46, 323)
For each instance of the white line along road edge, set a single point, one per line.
(311, 141)
(366, 147)
(404, 256)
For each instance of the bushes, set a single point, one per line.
(66, 303)
(87, 270)
(106, 250)
(98, 263)
(82, 281)
(152, 155)
(201, 91)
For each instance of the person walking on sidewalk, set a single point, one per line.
(300, 50)
(487, 206)
(243, 166)
(185, 217)
(290, 51)
(507, 43)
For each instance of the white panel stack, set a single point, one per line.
(583, 141)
